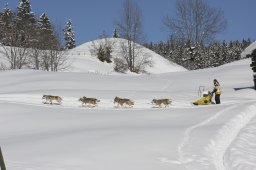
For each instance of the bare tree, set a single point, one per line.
(130, 28)
(55, 58)
(35, 57)
(139, 59)
(16, 51)
(16, 56)
(3, 67)
(195, 22)
(103, 48)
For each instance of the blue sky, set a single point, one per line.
(92, 17)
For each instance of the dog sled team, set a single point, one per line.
(92, 102)
(123, 102)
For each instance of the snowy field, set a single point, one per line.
(38, 136)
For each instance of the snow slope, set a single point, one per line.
(37, 136)
(248, 50)
(83, 61)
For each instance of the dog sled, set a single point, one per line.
(206, 99)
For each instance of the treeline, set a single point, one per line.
(31, 42)
(199, 56)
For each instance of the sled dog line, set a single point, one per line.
(117, 101)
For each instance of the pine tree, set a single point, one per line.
(44, 23)
(6, 16)
(26, 23)
(8, 27)
(69, 35)
(253, 65)
(45, 30)
(115, 34)
(52, 58)
(24, 12)
(6, 24)
(1, 26)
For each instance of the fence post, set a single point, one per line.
(2, 165)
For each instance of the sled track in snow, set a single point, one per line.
(241, 154)
(29, 166)
(228, 133)
(104, 104)
(73, 103)
(188, 158)
(212, 155)
(110, 106)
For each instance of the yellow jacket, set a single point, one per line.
(217, 90)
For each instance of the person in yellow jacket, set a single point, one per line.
(217, 91)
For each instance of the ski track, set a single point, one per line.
(188, 158)
(227, 134)
(241, 154)
(213, 154)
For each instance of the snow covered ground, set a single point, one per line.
(38, 136)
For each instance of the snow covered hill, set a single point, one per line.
(38, 136)
(83, 61)
(80, 59)
(248, 50)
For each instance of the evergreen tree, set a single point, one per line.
(1, 25)
(115, 34)
(24, 12)
(44, 23)
(236, 51)
(224, 54)
(199, 57)
(52, 58)
(69, 35)
(6, 24)
(26, 23)
(46, 33)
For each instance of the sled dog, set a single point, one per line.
(159, 102)
(50, 98)
(122, 102)
(89, 101)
